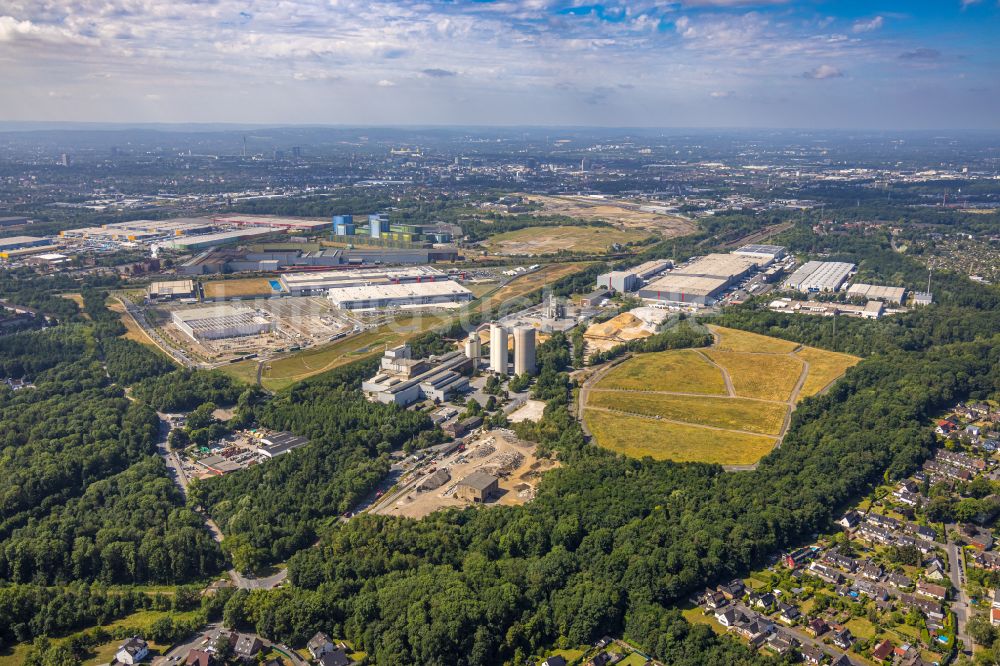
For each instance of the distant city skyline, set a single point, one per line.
(690, 63)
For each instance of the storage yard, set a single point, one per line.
(728, 404)
(459, 478)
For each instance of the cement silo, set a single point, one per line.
(473, 348)
(524, 350)
(498, 349)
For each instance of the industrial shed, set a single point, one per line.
(478, 487)
(221, 321)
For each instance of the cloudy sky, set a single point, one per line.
(686, 63)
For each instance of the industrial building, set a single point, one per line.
(870, 310)
(143, 230)
(402, 380)
(407, 295)
(524, 350)
(477, 487)
(765, 254)
(473, 349)
(632, 278)
(21, 242)
(221, 321)
(498, 349)
(280, 443)
(816, 276)
(320, 282)
(12, 221)
(16, 246)
(378, 225)
(285, 223)
(874, 292)
(168, 290)
(203, 241)
(923, 298)
(730, 267)
(343, 225)
(674, 288)
(593, 299)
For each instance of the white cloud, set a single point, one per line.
(386, 83)
(823, 72)
(870, 25)
(720, 94)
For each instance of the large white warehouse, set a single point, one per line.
(412, 294)
(221, 321)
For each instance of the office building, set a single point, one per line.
(524, 350)
(498, 349)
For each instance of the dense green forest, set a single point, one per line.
(270, 511)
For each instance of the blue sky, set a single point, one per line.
(687, 63)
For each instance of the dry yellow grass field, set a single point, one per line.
(825, 367)
(764, 418)
(639, 437)
(623, 214)
(731, 339)
(238, 288)
(761, 376)
(679, 371)
(550, 240)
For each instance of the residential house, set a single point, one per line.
(729, 617)
(780, 642)
(247, 647)
(932, 609)
(898, 580)
(734, 589)
(762, 601)
(825, 573)
(555, 660)
(871, 570)
(335, 657)
(842, 638)
(850, 520)
(986, 560)
(788, 614)
(601, 659)
(883, 651)
(198, 658)
(835, 559)
(842, 660)
(797, 558)
(714, 599)
(319, 645)
(132, 651)
(812, 655)
(885, 522)
(995, 617)
(817, 627)
(931, 590)
(934, 571)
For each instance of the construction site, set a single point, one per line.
(636, 324)
(220, 332)
(494, 468)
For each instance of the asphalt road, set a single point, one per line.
(961, 603)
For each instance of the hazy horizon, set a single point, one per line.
(770, 64)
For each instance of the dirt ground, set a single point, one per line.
(623, 214)
(496, 452)
(530, 411)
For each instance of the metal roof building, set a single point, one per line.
(221, 321)
(875, 292)
(411, 294)
(674, 288)
(819, 276)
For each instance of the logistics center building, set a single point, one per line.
(221, 321)
(699, 281)
(814, 276)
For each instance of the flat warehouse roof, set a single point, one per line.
(762, 249)
(716, 265)
(407, 290)
(172, 287)
(688, 284)
(20, 240)
(212, 312)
